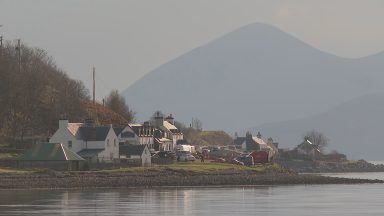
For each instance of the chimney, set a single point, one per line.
(159, 119)
(146, 124)
(170, 119)
(63, 123)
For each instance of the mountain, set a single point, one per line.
(354, 128)
(253, 75)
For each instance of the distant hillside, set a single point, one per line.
(104, 115)
(35, 94)
(354, 128)
(208, 138)
(251, 76)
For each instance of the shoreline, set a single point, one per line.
(163, 179)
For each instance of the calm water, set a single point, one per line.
(364, 199)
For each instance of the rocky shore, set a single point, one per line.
(331, 167)
(156, 178)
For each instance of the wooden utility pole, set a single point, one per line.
(19, 53)
(1, 46)
(94, 84)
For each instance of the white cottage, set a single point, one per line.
(126, 135)
(94, 143)
(170, 134)
(135, 154)
(144, 133)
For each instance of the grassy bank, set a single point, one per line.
(180, 174)
(198, 167)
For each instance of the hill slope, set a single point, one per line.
(354, 128)
(253, 75)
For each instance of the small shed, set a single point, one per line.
(54, 156)
(90, 155)
(135, 155)
(260, 156)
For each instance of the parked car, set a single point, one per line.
(164, 154)
(246, 159)
(186, 157)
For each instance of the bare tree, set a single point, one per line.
(317, 138)
(197, 124)
(116, 102)
(35, 94)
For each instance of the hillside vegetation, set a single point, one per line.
(35, 93)
(208, 138)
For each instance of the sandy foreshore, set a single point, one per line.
(155, 178)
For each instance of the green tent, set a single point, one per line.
(50, 152)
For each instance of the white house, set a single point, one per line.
(135, 154)
(168, 131)
(144, 133)
(94, 143)
(126, 135)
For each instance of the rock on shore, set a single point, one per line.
(327, 167)
(154, 178)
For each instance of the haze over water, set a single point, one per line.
(256, 200)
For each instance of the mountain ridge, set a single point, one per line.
(250, 76)
(353, 127)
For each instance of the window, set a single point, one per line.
(114, 142)
(107, 142)
(70, 144)
(127, 134)
(111, 155)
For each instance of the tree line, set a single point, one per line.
(35, 93)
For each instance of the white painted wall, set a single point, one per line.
(131, 140)
(146, 157)
(111, 151)
(63, 135)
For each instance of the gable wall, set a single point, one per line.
(62, 135)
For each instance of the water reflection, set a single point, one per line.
(277, 200)
(162, 201)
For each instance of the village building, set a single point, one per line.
(256, 143)
(93, 143)
(250, 142)
(167, 134)
(138, 155)
(51, 155)
(144, 133)
(126, 135)
(307, 149)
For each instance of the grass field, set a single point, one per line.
(197, 167)
(7, 170)
(8, 155)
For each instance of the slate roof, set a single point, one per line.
(131, 149)
(89, 152)
(239, 140)
(50, 152)
(259, 140)
(169, 126)
(94, 133)
(118, 130)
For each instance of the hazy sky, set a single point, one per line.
(128, 38)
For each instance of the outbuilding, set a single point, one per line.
(135, 155)
(54, 156)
